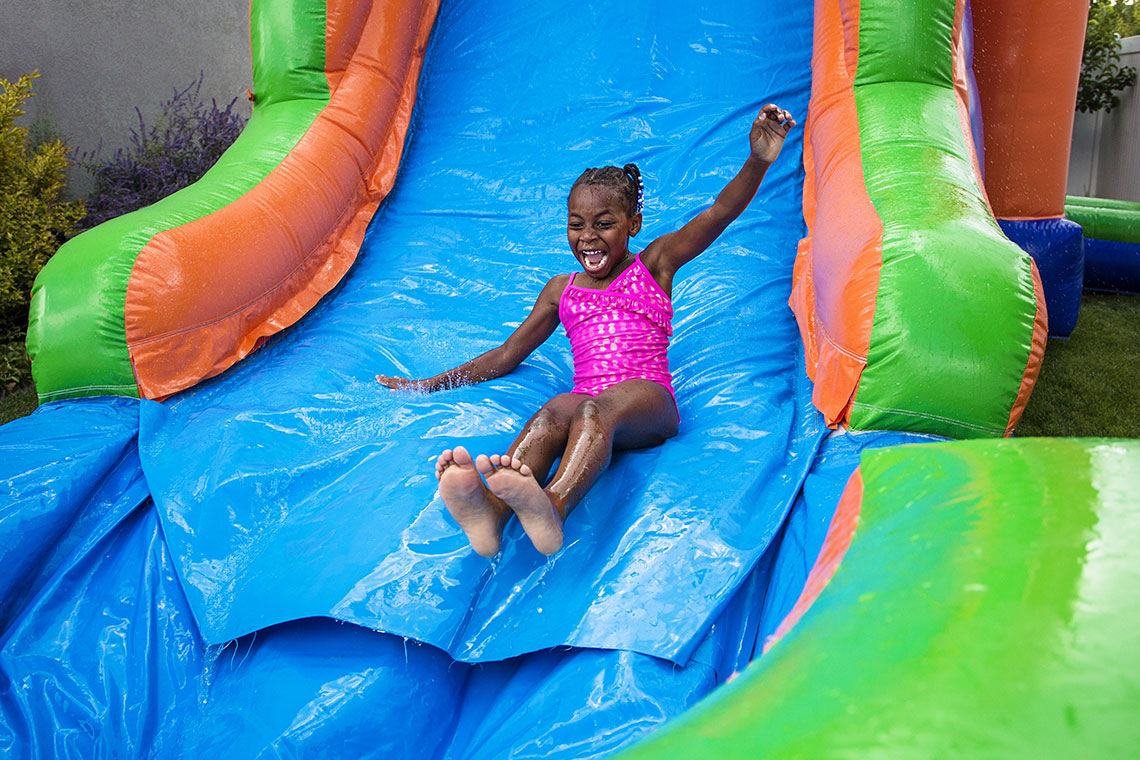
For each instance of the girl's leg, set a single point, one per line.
(634, 414)
(631, 414)
(479, 512)
(543, 439)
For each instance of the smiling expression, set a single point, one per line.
(599, 229)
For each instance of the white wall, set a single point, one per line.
(98, 59)
(1105, 158)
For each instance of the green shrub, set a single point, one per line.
(15, 369)
(1102, 76)
(34, 220)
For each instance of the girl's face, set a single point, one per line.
(599, 229)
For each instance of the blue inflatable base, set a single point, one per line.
(1057, 245)
(1112, 266)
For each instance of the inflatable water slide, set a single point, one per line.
(219, 537)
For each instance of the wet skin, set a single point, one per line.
(581, 430)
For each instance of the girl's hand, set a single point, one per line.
(768, 132)
(400, 383)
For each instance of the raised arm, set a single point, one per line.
(499, 361)
(670, 252)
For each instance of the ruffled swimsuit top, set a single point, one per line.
(618, 333)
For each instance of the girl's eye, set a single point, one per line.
(604, 225)
(575, 225)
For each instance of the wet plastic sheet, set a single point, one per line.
(100, 656)
(104, 658)
(296, 487)
(58, 468)
(107, 662)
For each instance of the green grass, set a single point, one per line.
(16, 403)
(1090, 384)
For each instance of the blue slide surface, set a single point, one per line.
(261, 566)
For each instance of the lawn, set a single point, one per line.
(17, 403)
(1089, 384)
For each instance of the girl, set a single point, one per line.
(617, 312)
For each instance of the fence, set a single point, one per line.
(1105, 158)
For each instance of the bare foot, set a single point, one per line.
(514, 483)
(469, 502)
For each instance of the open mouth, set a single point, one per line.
(594, 261)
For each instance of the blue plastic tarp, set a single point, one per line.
(106, 661)
(194, 612)
(298, 487)
(58, 470)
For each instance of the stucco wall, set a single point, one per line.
(98, 59)
(1105, 158)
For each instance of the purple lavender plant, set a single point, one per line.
(186, 140)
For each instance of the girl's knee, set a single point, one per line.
(593, 414)
(546, 420)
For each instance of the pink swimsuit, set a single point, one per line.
(618, 333)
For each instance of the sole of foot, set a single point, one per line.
(513, 482)
(467, 499)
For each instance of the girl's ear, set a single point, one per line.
(634, 224)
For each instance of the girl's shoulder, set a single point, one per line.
(657, 264)
(651, 256)
(552, 292)
(558, 283)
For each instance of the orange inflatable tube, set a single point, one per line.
(1024, 55)
(835, 309)
(203, 295)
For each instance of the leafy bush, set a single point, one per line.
(15, 369)
(1122, 16)
(186, 140)
(34, 220)
(1102, 76)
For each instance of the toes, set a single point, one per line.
(461, 456)
(484, 465)
(443, 462)
(525, 470)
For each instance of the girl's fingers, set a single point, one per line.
(773, 112)
(395, 383)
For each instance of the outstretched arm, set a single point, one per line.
(534, 330)
(670, 252)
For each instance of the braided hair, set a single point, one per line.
(625, 183)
